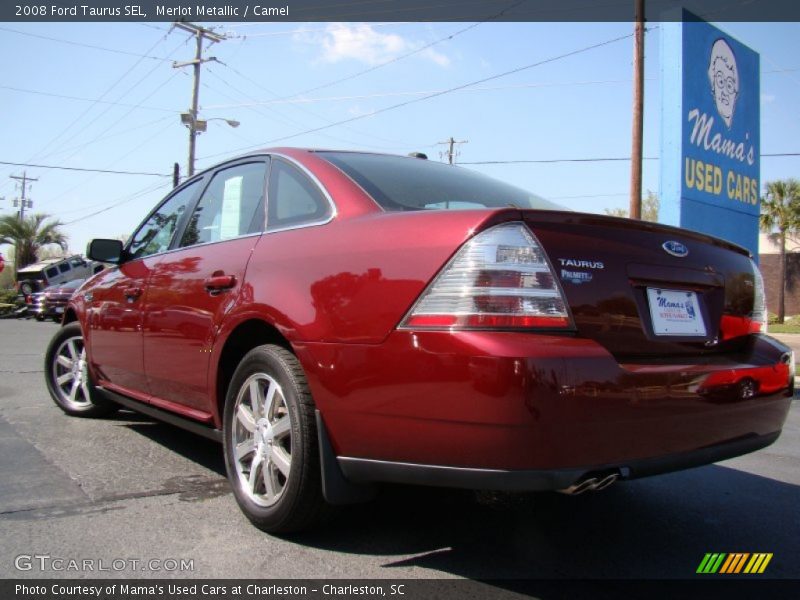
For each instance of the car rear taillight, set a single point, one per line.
(759, 315)
(499, 279)
(756, 322)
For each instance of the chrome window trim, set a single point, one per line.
(293, 161)
(197, 178)
(317, 183)
(179, 248)
(231, 164)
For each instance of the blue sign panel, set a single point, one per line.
(710, 132)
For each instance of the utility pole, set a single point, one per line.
(190, 119)
(638, 111)
(451, 153)
(176, 175)
(23, 202)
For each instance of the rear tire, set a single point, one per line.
(66, 372)
(270, 442)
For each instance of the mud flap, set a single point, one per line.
(335, 487)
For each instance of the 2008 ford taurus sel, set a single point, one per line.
(339, 319)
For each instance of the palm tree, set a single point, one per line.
(780, 210)
(29, 235)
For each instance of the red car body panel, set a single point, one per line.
(501, 400)
(113, 323)
(605, 392)
(182, 317)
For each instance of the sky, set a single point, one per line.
(106, 96)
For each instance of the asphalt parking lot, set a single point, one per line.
(132, 488)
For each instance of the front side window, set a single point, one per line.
(156, 232)
(293, 198)
(231, 206)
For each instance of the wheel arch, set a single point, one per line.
(244, 337)
(70, 316)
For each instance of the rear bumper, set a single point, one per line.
(363, 470)
(527, 411)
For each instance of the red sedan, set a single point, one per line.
(339, 319)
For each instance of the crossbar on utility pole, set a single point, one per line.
(200, 34)
(23, 201)
(450, 152)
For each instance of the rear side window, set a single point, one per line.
(231, 206)
(63, 268)
(404, 183)
(293, 198)
(52, 272)
(156, 232)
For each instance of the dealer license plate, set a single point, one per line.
(675, 312)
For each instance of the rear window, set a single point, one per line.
(404, 183)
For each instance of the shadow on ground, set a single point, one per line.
(659, 527)
(651, 528)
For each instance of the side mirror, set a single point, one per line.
(108, 251)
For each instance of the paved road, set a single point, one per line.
(132, 488)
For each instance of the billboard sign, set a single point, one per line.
(710, 132)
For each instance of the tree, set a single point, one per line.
(7, 274)
(780, 214)
(29, 235)
(649, 208)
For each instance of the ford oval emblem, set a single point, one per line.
(675, 249)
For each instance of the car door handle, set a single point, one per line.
(218, 283)
(132, 292)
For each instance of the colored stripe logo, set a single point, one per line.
(734, 563)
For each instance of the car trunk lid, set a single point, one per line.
(645, 289)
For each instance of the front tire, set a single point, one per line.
(66, 372)
(270, 442)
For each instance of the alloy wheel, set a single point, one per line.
(71, 374)
(262, 439)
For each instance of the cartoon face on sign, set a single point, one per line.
(723, 75)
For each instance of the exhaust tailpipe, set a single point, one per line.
(590, 484)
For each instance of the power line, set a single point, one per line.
(50, 144)
(128, 153)
(415, 93)
(305, 30)
(24, 202)
(195, 125)
(380, 65)
(276, 117)
(82, 44)
(133, 196)
(437, 94)
(587, 196)
(89, 108)
(288, 119)
(16, 164)
(402, 56)
(138, 127)
(554, 160)
(596, 159)
(83, 99)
